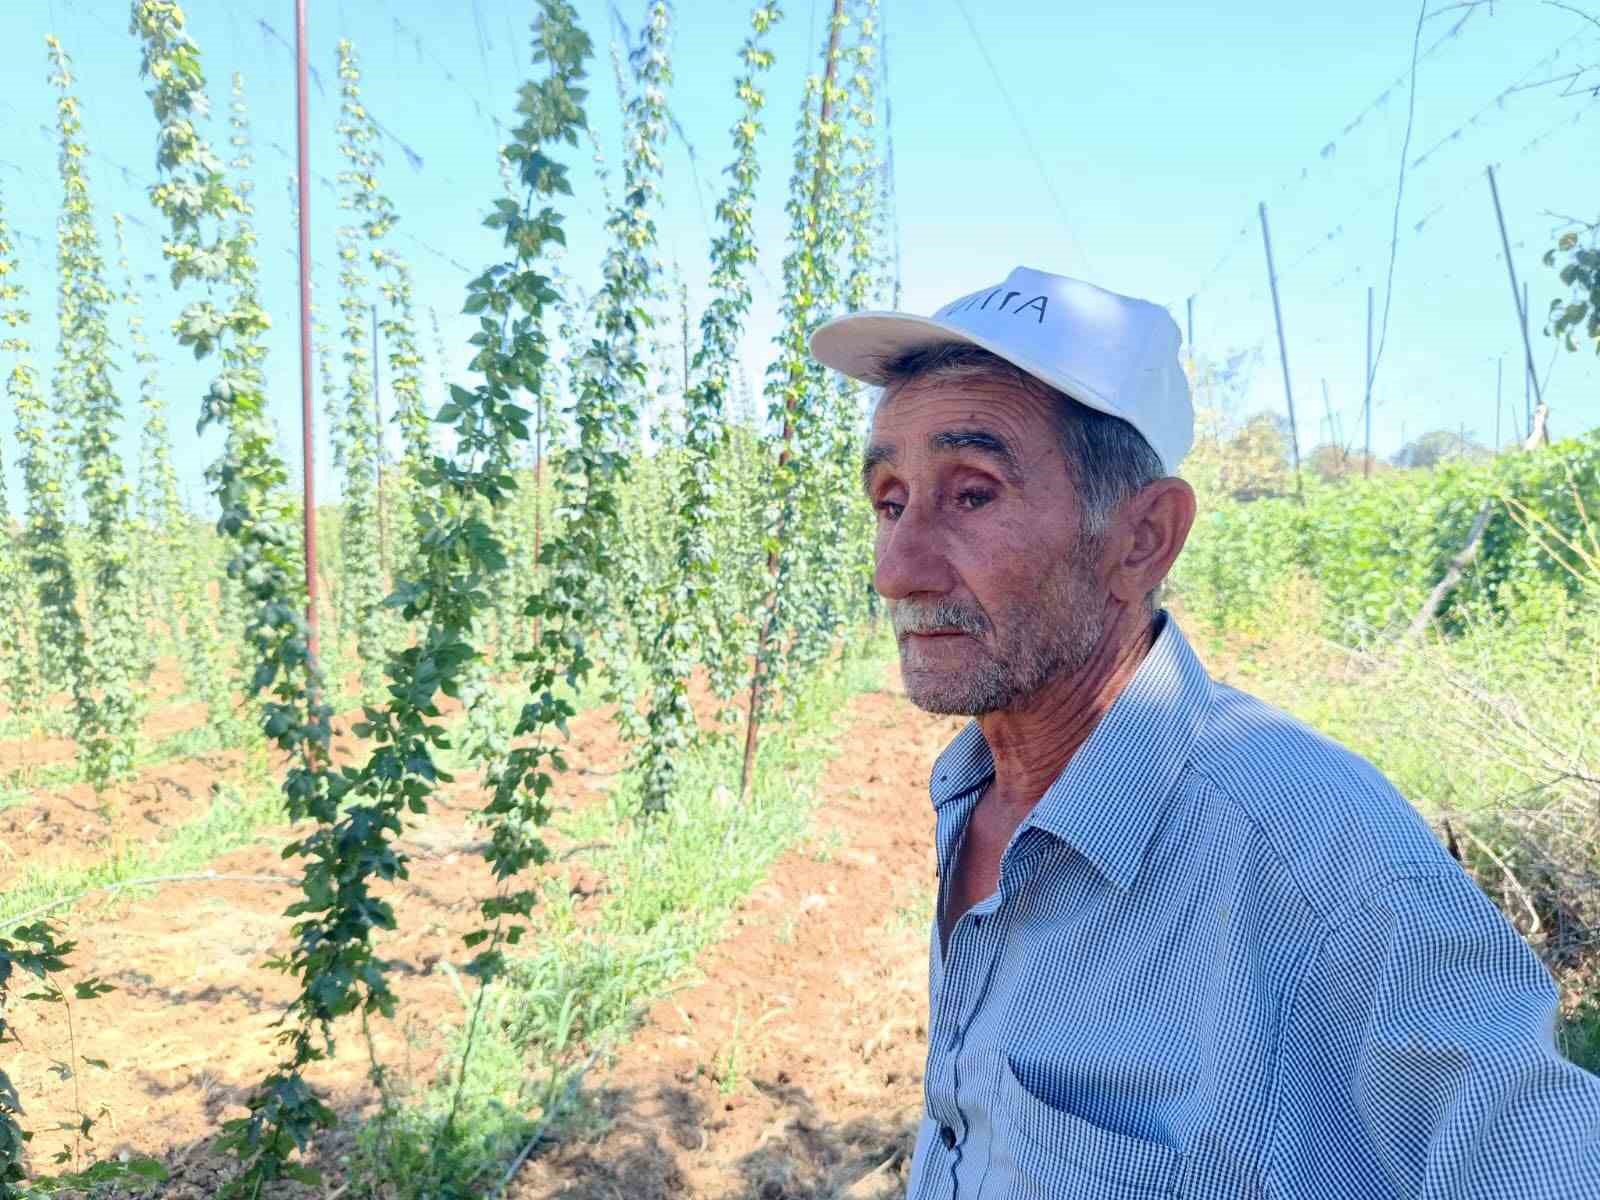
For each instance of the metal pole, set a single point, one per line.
(377, 449)
(1333, 426)
(303, 124)
(1499, 404)
(1516, 294)
(1190, 341)
(1283, 352)
(1530, 379)
(1366, 404)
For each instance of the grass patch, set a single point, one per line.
(1579, 1035)
(670, 885)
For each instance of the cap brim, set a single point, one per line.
(861, 344)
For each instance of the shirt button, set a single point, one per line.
(948, 1137)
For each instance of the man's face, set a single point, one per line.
(980, 555)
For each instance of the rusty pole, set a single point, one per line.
(306, 427)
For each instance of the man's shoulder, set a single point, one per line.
(1337, 825)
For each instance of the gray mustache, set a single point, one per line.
(912, 617)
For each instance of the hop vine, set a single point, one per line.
(19, 655)
(794, 381)
(604, 577)
(212, 247)
(115, 662)
(688, 610)
(362, 587)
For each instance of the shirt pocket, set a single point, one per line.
(1041, 1152)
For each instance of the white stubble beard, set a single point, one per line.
(1054, 633)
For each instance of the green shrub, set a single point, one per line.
(1377, 547)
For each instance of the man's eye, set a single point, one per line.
(972, 499)
(889, 509)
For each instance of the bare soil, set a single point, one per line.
(64, 825)
(793, 1067)
(789, 1066)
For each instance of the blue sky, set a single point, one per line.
(1157, 128)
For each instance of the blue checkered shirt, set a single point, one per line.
(1226, 959)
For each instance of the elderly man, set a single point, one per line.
(1184, 946)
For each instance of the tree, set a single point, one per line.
(1440, 445)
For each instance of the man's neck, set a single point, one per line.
(1032, 743)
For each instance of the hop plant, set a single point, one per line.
(795, 384)
(688, 612)
(175, 560)
(599, 568)
(116, 662)
(212, 247)
(19, 654)
(361, 588)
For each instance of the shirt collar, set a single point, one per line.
(1107, 801)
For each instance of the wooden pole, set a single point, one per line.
(1190, 341)
(1366, 404)
(538, 499)
(683, 318)
(1283, 354)
(1517, 294)
(307, 429)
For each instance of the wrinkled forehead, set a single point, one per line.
(964, 399)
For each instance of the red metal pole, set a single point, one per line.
(305, 326)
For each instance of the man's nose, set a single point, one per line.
(910, 555)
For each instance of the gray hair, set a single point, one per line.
(1109, 459)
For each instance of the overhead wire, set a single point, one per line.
(1463, 187)
(1027, 138)
(1328, 152)
(1380, 189)
(1454, 192)
(1399, 197)
(424, 54)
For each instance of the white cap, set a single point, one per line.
(1111, 353)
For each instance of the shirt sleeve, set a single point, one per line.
(1418, 1060)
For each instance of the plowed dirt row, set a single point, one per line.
(168, 716)
(793, 1069)
(67, 825)
(190, 1027)
(789, 1067)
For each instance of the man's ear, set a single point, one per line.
(1146, 534)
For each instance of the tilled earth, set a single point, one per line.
(788, 1065)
